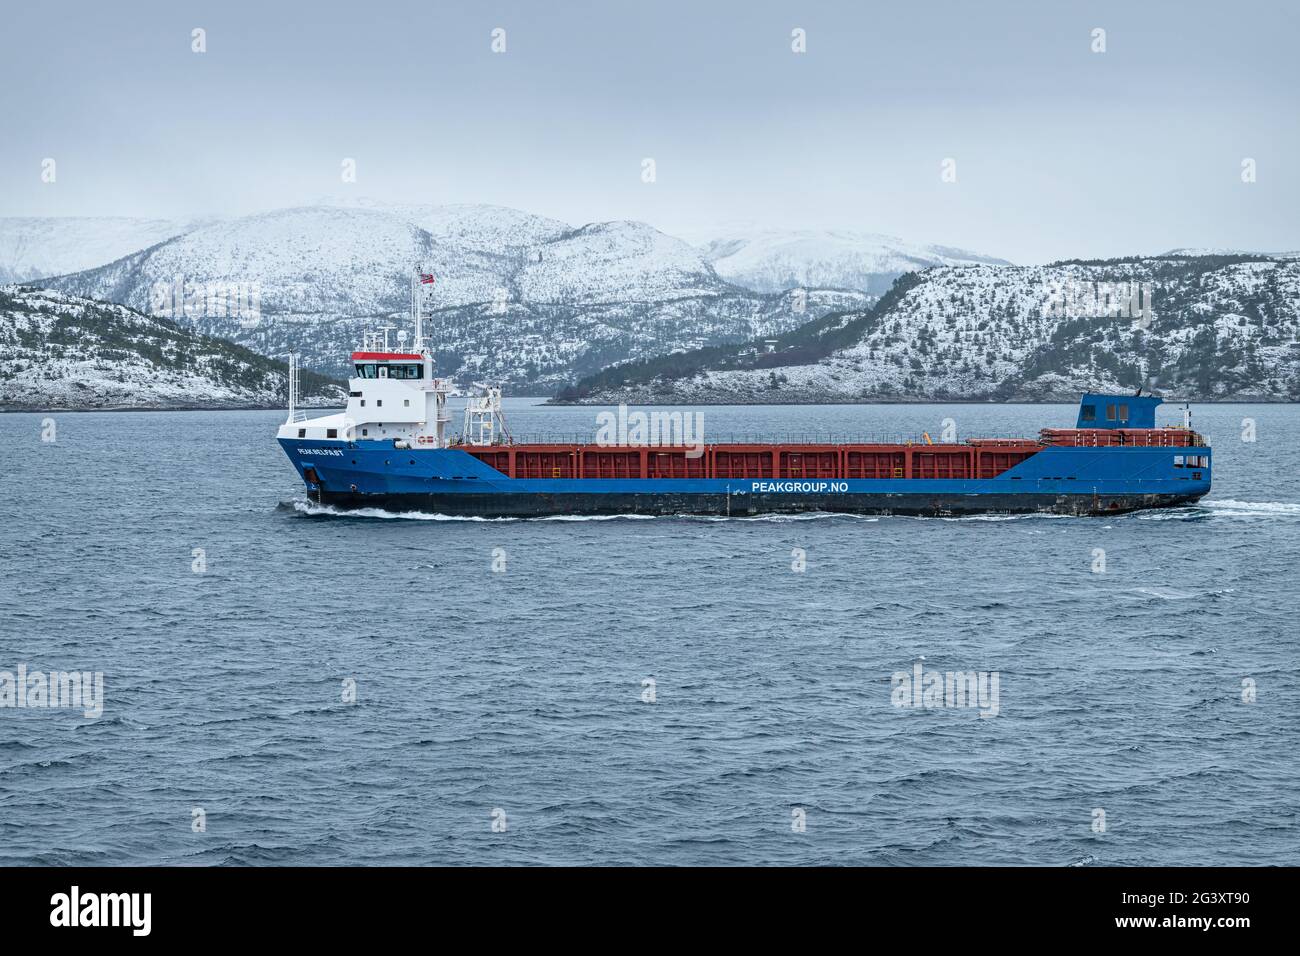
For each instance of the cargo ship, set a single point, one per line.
(393, 448)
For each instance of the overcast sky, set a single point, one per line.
(1059, 151)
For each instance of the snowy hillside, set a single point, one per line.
(488, 228)
(306, 261)
(540, 348)
(61, 351)
(35, 247)
(770, 260)
(1231, 252)
(546, 307)
(617, 262)
(1223, 327)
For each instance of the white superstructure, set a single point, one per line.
(393, 394)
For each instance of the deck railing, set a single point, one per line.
(760, 438)
(811, 438)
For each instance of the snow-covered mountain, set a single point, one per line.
(538, 307)
(488, 228)
(617, 261)
(1187, 251)
(306, 262)
(31, 248)
(63, 351)
(1220, 327)
(772, 260)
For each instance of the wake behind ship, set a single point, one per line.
(391, 449)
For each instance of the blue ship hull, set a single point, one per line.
(1060, 480)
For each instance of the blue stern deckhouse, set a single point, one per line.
(391, 448)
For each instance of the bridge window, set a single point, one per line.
(406, 371)
(367, 370)
(1088, 413)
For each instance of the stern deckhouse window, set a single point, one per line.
(1089, 413)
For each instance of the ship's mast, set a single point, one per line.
(439, 387)
(417, 308)
(293, 387)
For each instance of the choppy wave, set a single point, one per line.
(523, 689)
(313, 510)
(1230, 506)
(1224, 508)
(1167, 594)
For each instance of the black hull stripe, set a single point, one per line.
(535, 505)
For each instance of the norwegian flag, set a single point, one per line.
(426, 279)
